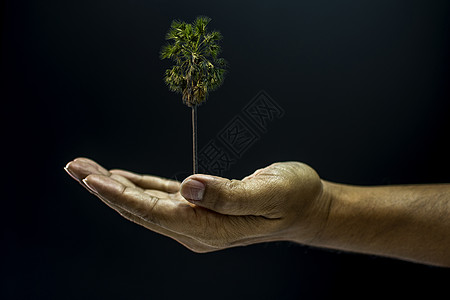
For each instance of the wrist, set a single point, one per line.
(322, 210)
(328, 199)
(311, 220)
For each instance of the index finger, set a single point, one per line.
(157, 210)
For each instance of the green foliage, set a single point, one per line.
(198, 70)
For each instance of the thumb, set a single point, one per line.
(230, 197)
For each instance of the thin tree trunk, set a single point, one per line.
(194, 139)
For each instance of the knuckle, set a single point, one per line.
(234, 187)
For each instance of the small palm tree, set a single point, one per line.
(198, 70)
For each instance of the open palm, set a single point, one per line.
(156, 203)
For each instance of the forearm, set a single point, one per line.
(407, 222)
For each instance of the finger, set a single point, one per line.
(94, 163)
(126, 182)
(123, 181)
(230, 197)
(186, 241)
(80, 168)
(152, 209)
(150, 182)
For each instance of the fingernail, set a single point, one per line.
(70, 173)
(91, 188)
(67, 170)
(192, 189)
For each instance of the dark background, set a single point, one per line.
(365, 88)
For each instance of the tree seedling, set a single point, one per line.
(197, 70)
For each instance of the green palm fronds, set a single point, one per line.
(198, 70)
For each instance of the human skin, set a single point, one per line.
(286, 201)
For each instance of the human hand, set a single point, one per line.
(284, 201)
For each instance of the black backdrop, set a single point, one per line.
(364, 86)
